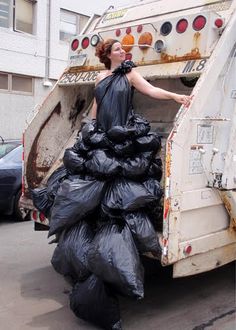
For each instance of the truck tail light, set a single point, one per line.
(145, 40)
(166, 28)
(127, 42)
(128, 56)
(85, 43)
(199, 23)
(34, 215)
(118, 32)
(94, 40)
(75, 44)
(42, 217)
(139, 28)
(128, 30)
(219, 22)
(182, 25)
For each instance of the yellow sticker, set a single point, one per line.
(115, 15)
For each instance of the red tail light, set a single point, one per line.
(139, 28)
(75, 44)
(128, 56)
(128, 30)
(34, 215)
(182, 25)
(42, 217)
(85, 42)
(219, 22)
(118, 32)
(199, 23)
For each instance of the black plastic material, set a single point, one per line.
(143, 232)
(114, 258)
(93, 301)
(70, 256)
(75, 199)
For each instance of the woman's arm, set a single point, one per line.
(157, 93)
(93, 111)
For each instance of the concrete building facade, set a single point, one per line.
(33, 54)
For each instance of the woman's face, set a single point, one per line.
(117, 54)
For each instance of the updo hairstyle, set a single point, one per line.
(103, 49)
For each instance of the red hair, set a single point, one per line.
(103, 49)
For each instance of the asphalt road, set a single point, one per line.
(34, 296)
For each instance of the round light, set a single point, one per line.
(75, 44)
(94, 40)
(127, 42)
(159, 46)
(145, 40)
(219, 22)
(182, 25)
(188, 249)
(118, 32)
(199, 23)
(139, 28)
(85, 42)
(128, 30)
(166, 28)
(128, 56)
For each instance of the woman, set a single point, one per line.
(105, 202)
(111, 54)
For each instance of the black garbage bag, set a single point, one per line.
(119, 134)
(75, 199)
(135, 167)
(70, 256)
(98, 140)
(113, 257)
(155, 169)
(80, 147)
(88, 130)
(55, 179)
(93, 301)
(42, 200)
(154, 187)
(140, 124)
(126, 195)
(73, 161)
(143, 232)
(124, 149)
(102, 165)
(150, 142)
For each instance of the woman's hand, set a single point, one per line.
(183, 99)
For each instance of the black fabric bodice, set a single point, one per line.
(114, 98)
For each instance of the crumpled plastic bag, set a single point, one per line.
(154, 187)
(43, 198)
(124, 149)
(150, 142)
(93, 301)
(70, 255)
(75, 199)
(143, 232)
(73, 161)
(102, 165)
(155, 169)
(126, 195)
(114, 258)
(140, 124)
(135, 167)
(119, 134)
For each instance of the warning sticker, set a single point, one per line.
(195, 161)
(205, 134)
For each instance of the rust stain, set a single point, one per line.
(75, 111)
(194, 54)
(32, 176)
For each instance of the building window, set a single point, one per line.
(16, 83)
(3, 81)
(71, 24)
(17, 14)
(23, 16)
(5, 13)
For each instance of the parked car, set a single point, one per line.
(11, 177)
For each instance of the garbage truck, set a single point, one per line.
(187, 47)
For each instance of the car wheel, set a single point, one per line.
(19, 212)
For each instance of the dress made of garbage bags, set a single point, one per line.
(100, 204)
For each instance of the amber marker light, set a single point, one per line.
(145, 40)
(127, 42)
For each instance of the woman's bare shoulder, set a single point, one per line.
(102, 75)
